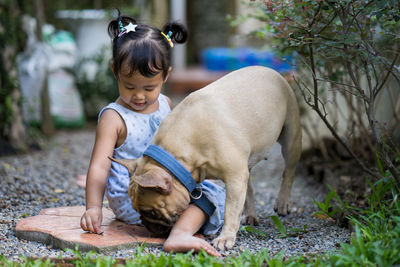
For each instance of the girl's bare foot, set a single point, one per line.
(186, 242)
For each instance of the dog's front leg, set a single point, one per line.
(235, 197)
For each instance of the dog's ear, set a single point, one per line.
(157, 180)
(130, 164)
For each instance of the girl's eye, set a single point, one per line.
(149, 89)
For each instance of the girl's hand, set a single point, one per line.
(91, 220)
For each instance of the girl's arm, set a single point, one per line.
(181, 238)
(109, 128)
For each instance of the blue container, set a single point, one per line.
(228, 59)
(215, 59)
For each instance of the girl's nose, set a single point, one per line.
(138, 94)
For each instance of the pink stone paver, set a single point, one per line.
(60, 228)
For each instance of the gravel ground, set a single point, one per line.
(44, 179)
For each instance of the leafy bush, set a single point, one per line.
(348, 60)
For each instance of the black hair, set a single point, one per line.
(145, 50)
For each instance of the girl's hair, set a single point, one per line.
(145, 50)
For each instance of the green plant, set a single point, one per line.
(348, 56)
(329, 207)
(91, 259)
(287, 232)
(376, 240)
(252, 230)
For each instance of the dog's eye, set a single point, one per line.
(151, 213)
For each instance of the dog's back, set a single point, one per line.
(242, 105)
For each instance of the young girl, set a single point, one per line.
(141, 65)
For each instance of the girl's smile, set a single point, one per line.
(138, 106)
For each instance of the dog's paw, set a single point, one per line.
(282, 208)
(249, 220)
(224, 242)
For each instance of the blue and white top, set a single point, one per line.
(140, 129)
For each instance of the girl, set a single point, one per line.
(141, 65)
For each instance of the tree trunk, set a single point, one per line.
(47, 121)
(17, 127)
(12, 127)
(47, 124)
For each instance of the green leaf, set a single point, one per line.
(24, 215)
(379, 163)
(253, 230)
(279, 225)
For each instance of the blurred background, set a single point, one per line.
(66, 44)
(55, 70)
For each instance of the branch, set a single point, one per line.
(386, 76)
(315, 82)
(361, 93)
(315, 15)
(329, 23)
(323, 116)
(359, 11)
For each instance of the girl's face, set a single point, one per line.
(137, 92)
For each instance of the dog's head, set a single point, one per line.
(156, 194)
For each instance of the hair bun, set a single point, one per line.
(179, 32)
(113, 26)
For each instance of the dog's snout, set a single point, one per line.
(153, 214)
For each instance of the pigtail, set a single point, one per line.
(178, 34)
(114, 26)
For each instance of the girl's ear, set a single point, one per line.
(112, 69)
(166, 77)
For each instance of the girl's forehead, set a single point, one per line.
(137, 77)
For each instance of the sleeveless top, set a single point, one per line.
(140, 129)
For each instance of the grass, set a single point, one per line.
(375, 242)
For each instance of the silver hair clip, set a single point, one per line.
(128, 28)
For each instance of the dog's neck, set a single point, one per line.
(198, 172)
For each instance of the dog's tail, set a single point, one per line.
(290, 137)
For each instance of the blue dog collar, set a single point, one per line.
(183, 175)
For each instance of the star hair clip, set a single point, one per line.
(168, 37)
(128, 28)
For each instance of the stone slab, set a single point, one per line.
(60, 228)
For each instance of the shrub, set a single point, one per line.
(348, 50)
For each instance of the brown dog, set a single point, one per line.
(220, 132)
